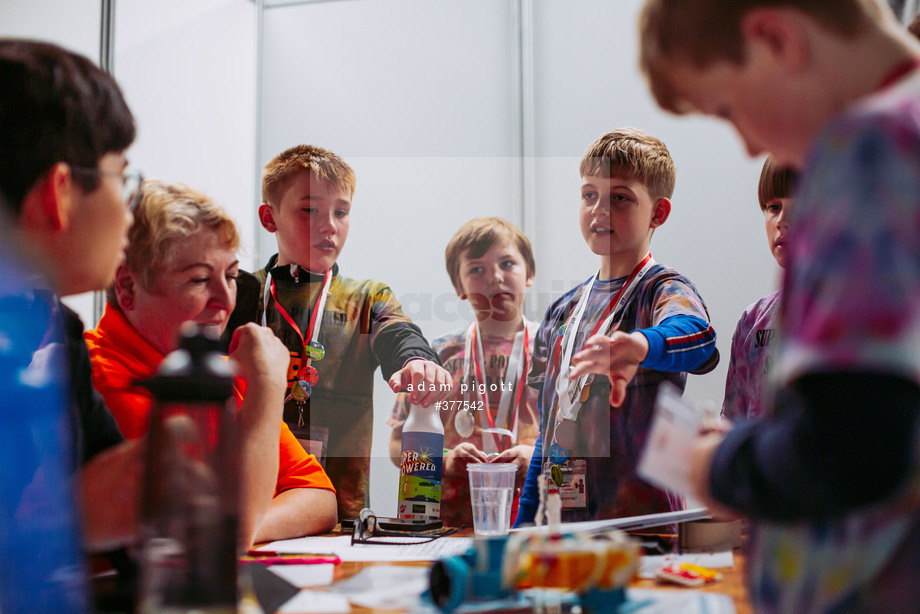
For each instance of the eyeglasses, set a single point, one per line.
(367, 531)
(130, 183)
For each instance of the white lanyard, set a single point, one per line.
(568, 391)
(514, 369)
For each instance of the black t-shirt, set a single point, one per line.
(96, 429)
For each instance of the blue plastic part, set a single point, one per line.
(490, 552)
(473, 582)
(450, 581)
(599, 601)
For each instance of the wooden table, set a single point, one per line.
(732, 584)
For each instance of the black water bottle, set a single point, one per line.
(190, 497)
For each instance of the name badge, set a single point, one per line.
(574, 489)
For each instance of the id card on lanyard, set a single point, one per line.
(573, 487)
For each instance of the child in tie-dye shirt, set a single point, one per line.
(755, 336)
(831, 476)
(632, 326)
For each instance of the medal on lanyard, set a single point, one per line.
(307, 376)
(571, 394)
(465, 421)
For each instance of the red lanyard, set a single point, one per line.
(607, 310)
(318, 306)
(475, 346)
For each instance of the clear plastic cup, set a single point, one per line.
(491, 492)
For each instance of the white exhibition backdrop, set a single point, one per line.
(422, 98)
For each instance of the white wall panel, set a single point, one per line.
(188, 70)
(74, 24)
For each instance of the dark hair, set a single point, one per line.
(55, 106)
(776, 181)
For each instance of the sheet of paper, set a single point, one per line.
(307, 602)
(665, 460)
(650, 564)
(304, 576)
(341, 546)
(684, 602)
(387, 587)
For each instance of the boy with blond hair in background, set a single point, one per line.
(338, 330)
(492, 414)
(832, 477)
(606, 346)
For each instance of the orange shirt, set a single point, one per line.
(120, 356)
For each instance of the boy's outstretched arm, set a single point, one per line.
(406, 359)
(679, 343)
(396, 341)
(425, 380)
(617, 356)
